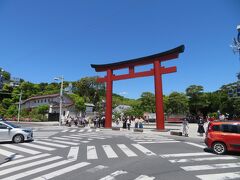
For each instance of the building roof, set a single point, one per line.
(163, 56)
(40, 97)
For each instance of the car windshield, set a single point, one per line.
(12, 125)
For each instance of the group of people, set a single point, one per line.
(127, 121)
(76, 121)
(99, 121)
(200, 129)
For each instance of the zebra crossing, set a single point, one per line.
(205, 165)
(81, 130)
(145, 139)
(46, 166)
(87, 152)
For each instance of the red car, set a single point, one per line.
(223, 136)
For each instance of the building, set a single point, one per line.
(53, 100)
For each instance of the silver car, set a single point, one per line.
(14, 133)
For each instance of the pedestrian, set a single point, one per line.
(201, 127)
(128, 123)
(140, 123)
(185, 127)
(136, 121)
(124, 123)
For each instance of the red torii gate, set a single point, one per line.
(157, 71)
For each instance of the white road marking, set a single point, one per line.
(144, 150)
(91, 152)
(97, 168)
(73, 153)
(144, 177)
(38, 146)
(72, 137)
(62, 142)
(8, 153)
(157, 142)
(65, 130)
(210, 166)
(51, 144)
(18, 148)
(67, 139)
(195, 144)
(90, 130)
(113, 175)
(109, 151)
(24, 160)
(62, 171)
(126, 150)
(220, 176)
(202, 159)
(17, 168)
(74, 130)
(85, 141)
(186, 154)
(81, 130)
(37, 170)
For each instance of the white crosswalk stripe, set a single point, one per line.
(126, 150)
(62, 142)
(186, 154)
(62, 171)
(144, 150)
(145, 177)
(37, 170)
(18, 148)
(210, 166)
(72, 137)
(66, 139)
(38, 146)
(8, 153)
(24, 160)
(193, 158)
(201, 159)
(51, 144)
(20, 167)
(91, 152)
(73, 153)
(113, 175)
(220, 176)
(74, 130)
(109, 151)
(156, 142)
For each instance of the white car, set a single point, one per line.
(14, 133)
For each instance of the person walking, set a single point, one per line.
(201, 127)
(140, 122)
(128, 123)
(185, 127)
(136, 120)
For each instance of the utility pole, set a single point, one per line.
(19, 105)
(61, 99)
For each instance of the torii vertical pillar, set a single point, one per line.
(158, 96)
(157, 72)
(108, 119)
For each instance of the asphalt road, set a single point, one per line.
(73, 153)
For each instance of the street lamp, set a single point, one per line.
(61, 100)
(1, 78)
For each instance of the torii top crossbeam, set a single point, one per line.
(157, 72)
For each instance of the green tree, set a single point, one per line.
(197, 99)
(147, 102)
(178, 103)
(78, 102)
(42, 110)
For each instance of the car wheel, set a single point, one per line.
(219, 148)
(18, 138)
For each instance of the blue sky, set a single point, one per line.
(42, 39)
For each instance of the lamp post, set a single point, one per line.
(1, 78)
(61, 100)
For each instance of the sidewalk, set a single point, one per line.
(151, 128)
